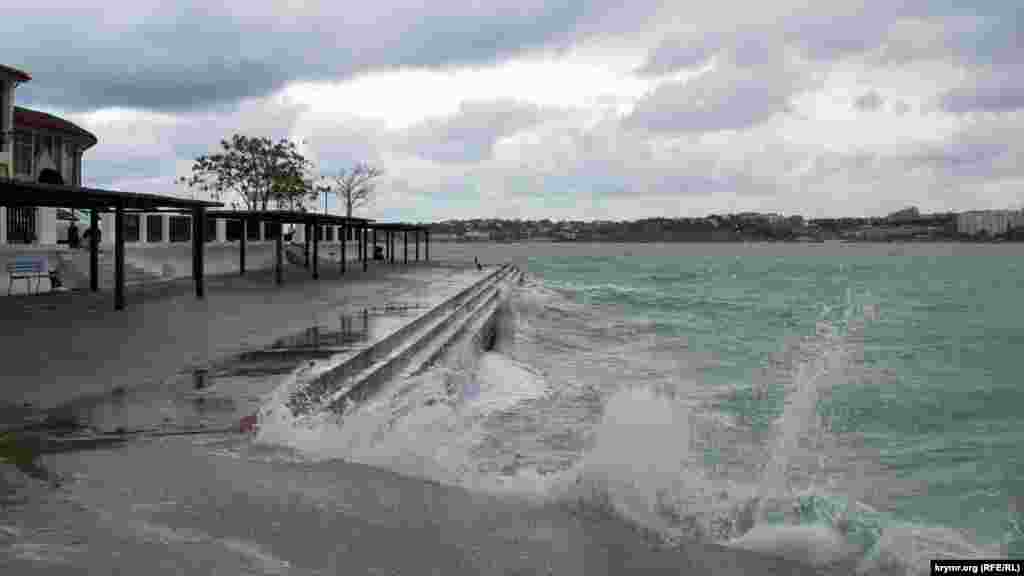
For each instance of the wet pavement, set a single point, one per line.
(215, 396)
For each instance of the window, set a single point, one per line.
(211, 230)
(154, 228)
(3, 115)
(181, 229)
(273, 229)
(252, 230)
(233, 230)
(58, 155)
(76, 167)
(131, 227)
(23, 153)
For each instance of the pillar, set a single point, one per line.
(426, 245)
(94, 252)
(198, 248)
(362, 242)
(316, 251)
(118, 257)
(306, 230)
(241, 248)
(416, 238)
(278, 249)
(143, 227)
(222, 231)
(405, 240)
(3, 223)
(109, 228)
(46, 225)
(342, 239)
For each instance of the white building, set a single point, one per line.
(991, 221)
(39, 147)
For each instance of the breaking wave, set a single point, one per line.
(577, 407)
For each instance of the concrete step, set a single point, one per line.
(419, 349)
(358, 376)
(479, 326)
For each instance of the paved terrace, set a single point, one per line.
(61, 347)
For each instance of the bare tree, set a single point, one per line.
(353, 187)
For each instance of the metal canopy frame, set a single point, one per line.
(312, 222)
(18, 193)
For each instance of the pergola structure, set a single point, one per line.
(391, 231)
(16, 193)
(313, 223)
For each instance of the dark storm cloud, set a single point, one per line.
(179, 56)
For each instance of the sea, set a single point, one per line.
(850, 404)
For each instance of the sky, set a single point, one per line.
(554, 109)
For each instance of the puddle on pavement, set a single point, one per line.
(216, 396)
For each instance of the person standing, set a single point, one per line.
(73, 240)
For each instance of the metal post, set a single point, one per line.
(198, 248)
(316, 251)
(241, 249)
(119, 256)
(344, 232)
(278, 250)
(94, 251)
(306, 230)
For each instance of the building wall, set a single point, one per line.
(992, 221)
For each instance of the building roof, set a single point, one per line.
(20, 75)
(43, 121)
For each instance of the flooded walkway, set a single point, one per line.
(69, 357)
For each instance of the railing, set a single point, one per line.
(21, 225)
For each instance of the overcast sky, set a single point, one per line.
(560, 109)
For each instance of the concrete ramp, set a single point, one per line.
(406, 350)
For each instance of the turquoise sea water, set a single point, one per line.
(864, 400)
(943, 401)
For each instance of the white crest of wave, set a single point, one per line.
(426, 426)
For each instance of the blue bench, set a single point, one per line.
(27, 268)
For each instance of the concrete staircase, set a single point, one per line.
(409, 349)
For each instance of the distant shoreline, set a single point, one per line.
(740, 241)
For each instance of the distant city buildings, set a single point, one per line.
(905, 215)
(989, 222)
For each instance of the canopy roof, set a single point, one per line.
(286, 216)
(23, 193)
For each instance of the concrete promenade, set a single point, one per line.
(61, 347)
